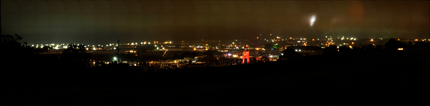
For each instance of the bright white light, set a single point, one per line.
(399, 49)
(313, 20)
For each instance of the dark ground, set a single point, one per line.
(385, 78)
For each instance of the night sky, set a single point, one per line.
(105, 21)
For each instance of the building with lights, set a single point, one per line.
(245, 55)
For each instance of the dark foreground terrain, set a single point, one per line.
(374, 78)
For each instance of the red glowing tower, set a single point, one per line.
(245, 55)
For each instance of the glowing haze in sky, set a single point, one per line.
(104, 21)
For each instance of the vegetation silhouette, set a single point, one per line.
(393, 45)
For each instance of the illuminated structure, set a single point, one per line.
(245, 55)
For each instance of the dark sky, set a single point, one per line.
(104, 21)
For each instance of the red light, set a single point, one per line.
(135, 55)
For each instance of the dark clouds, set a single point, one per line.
(103, 21)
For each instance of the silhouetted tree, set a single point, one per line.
(393, 44)
(82, 48)
(11, 46)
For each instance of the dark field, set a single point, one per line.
(368, 78)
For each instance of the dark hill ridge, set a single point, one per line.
(377, 78)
